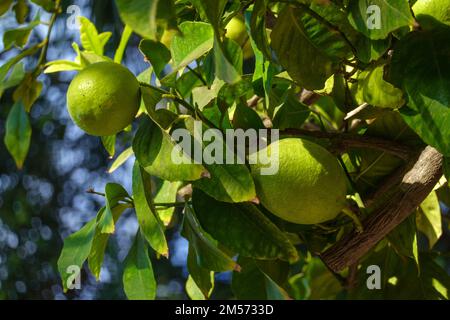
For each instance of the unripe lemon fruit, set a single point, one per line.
(103, 98)
(310, 185)
(426, 10)
(237, 31)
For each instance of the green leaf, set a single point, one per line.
(167, 193)
(291, 114)
(97, 252)
(257, 28)
(245, 117)
(18, 133)
(202, 96)
(201, 277)
(157, 54)
(188, 81)
(21, 10)
(249, 232)
(76, 250)
(374, 90)
(374, 24)
(15, 77)
(126, 34)
(151, 226)
(153, 149)
(429, 219)
(151, 96)
(114, 193)
(4, 68)
(225, 69)
(252, 283)
(28, 91)
(61, 65)
(109, 143)
(192, 290)
(90, 39)
(207, 254)
(147, 17)
(195, 39)
(19, 37)
(305, 59)
(121, 159)
(211, 10)
(420, 67)
(227, 182)
(404, 239)
(138, 279)
(4, 6)
(47, 5)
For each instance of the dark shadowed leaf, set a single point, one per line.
(207, 254)
(18, 133)
(249, 232)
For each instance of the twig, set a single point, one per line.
(43, 55)
(343, 141)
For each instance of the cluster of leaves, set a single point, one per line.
(389, 82)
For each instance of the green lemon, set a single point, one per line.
(103, 98)
(310, 185)
(237, 31)
(426, 11)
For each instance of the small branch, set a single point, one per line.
(92, 191)
(421, 177)
(43, 55)
(343, 141)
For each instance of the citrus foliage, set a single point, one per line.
(390, 81)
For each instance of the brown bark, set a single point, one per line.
(422, 175)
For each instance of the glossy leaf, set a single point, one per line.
(91, 40)
(195, 39)
(167, 193)
(156, 53)
(121, 159)
(202, 278)
(138, 279)
(304, 58)
(206, 251)
(97, 252)
(28, 91)
(109, 142)
(378, 18)
(114, 193)
(153, 149)
(227, 182)
(150, 224)
(249, 232)
(421, 67)
(76, 250)
(429, 219)
(146, 17)
(18, 134)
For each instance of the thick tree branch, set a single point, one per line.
(343, 141)
(417, 183)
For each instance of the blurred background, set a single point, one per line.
(47, 200)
